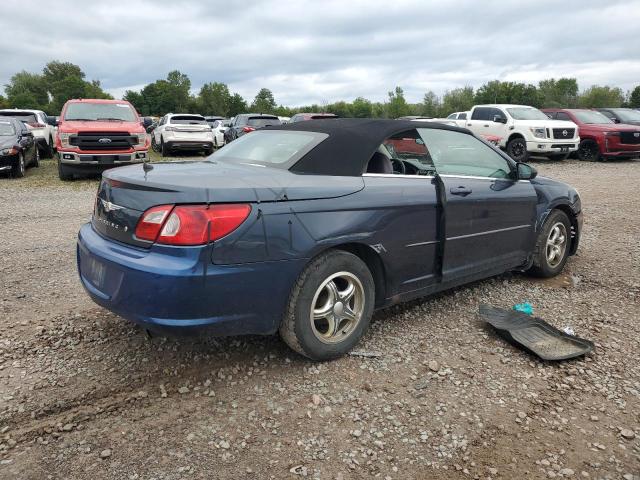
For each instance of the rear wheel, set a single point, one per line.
(49, 149)
(552, 246)
(517, 149)
(36, 157)
(164, 149)
(588, 151)
(19, 167)
(63, 172)
(330, 306)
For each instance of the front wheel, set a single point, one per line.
(517, 149)
(552, 246)
(330, 306)
(588, 151)
(36, 157)
(19, 167)
(63, 172)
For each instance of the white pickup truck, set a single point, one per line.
(523, 131)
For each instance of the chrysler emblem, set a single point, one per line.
(110, 207)
(104, 140)
(564, 133)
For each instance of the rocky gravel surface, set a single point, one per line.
(430, 393)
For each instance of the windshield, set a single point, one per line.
(22, 116)
(525, 113)
(591, 117)
(100, 111)
(6, 129)
(277, 148)
(628, 115)
(263, 121)
(188, 120)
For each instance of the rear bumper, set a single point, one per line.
(179, 291)
(189, 145)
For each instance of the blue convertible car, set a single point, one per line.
(307, 228)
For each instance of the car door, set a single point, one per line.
(497, 128)
(27, 142)
(489, 216)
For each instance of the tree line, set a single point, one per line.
(60, 81)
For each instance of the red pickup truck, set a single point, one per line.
(600, 137)
(94, 135)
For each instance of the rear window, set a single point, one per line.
(25, 117)
(188, 120)
(263, 121)
(100, 111)
(6, 129)
(276, 148)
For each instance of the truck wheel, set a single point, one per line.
(49, 149)
(552, 246)
(164, 150)
(63, 172)
(330, 306)
(559, 156)
(19, 168)
(517, 149)
(588, 151)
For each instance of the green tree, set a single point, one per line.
(561, 93)
(397, 105)
(4, 103)
(214, 99)
(64, 80)
(634, 97)
(178, 86)
(237, 105)
(597, 96)
(342, 109)
(27, 90)
(361, 108)
(496, 91)
(457, 100)
(430, 106)
(264, 102)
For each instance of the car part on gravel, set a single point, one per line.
(534, 334)
(525, 307)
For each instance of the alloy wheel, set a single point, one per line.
(588, 152)
(337, 307)
(21, 165)
(556, 244)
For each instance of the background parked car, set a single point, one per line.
(18, 148)
(213, 118)
(248, 122)
(301, 117)
(600, 137)
(218, 128)
(629, 116)
(182, 131)
(42, 127)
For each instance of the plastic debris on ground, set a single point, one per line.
(525, 307)
(534, 334)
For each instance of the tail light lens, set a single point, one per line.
(190, 224)
(36, 125)
(248, 129)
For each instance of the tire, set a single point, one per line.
(335, 271)
(559, 156)
(517, 149)
(49, 150)
(543, 266)
(36, 158)
(588, 151)
(215, 142)
(154, 144)
(164, 150)
(63, 172)
(209, 151)
(19, 168)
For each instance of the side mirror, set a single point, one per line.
(499, 119)
(147, 122)
(526, 171)
(52, 121)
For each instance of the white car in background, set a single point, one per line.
(182, 131)
(218, 127)
(42, 127)
(459, 118)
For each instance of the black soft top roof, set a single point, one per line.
(351, 142)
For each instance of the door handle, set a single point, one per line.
(486, 125)
(461, 190)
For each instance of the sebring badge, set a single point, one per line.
(110, 207)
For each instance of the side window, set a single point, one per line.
(608, 114)
(455, 153)
(453, 115)
(551, 115)
(496, 112)
(481, 113)
(563, 116)
(404, 153)
(462, 116)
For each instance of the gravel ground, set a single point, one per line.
(85, 395)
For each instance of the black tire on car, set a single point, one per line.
(588, 151)
(49, 149)
(36, 157)
(517, 149)
(552, 246)
(164, 150)
(63, 172)
(330, 306)
(209, 151)
(19, 167)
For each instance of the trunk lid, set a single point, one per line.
(126, 192)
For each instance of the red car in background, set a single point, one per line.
(600, 138)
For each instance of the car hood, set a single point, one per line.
(547, 123)
(211, 181)
(76, 126)
(611, 127)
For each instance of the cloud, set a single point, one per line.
(323, 51)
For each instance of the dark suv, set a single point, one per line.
(248, 122)
(629, 116)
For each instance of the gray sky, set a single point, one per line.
(323, 51)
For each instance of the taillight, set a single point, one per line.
(248, 129)
(190, 224)
(36, 125)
